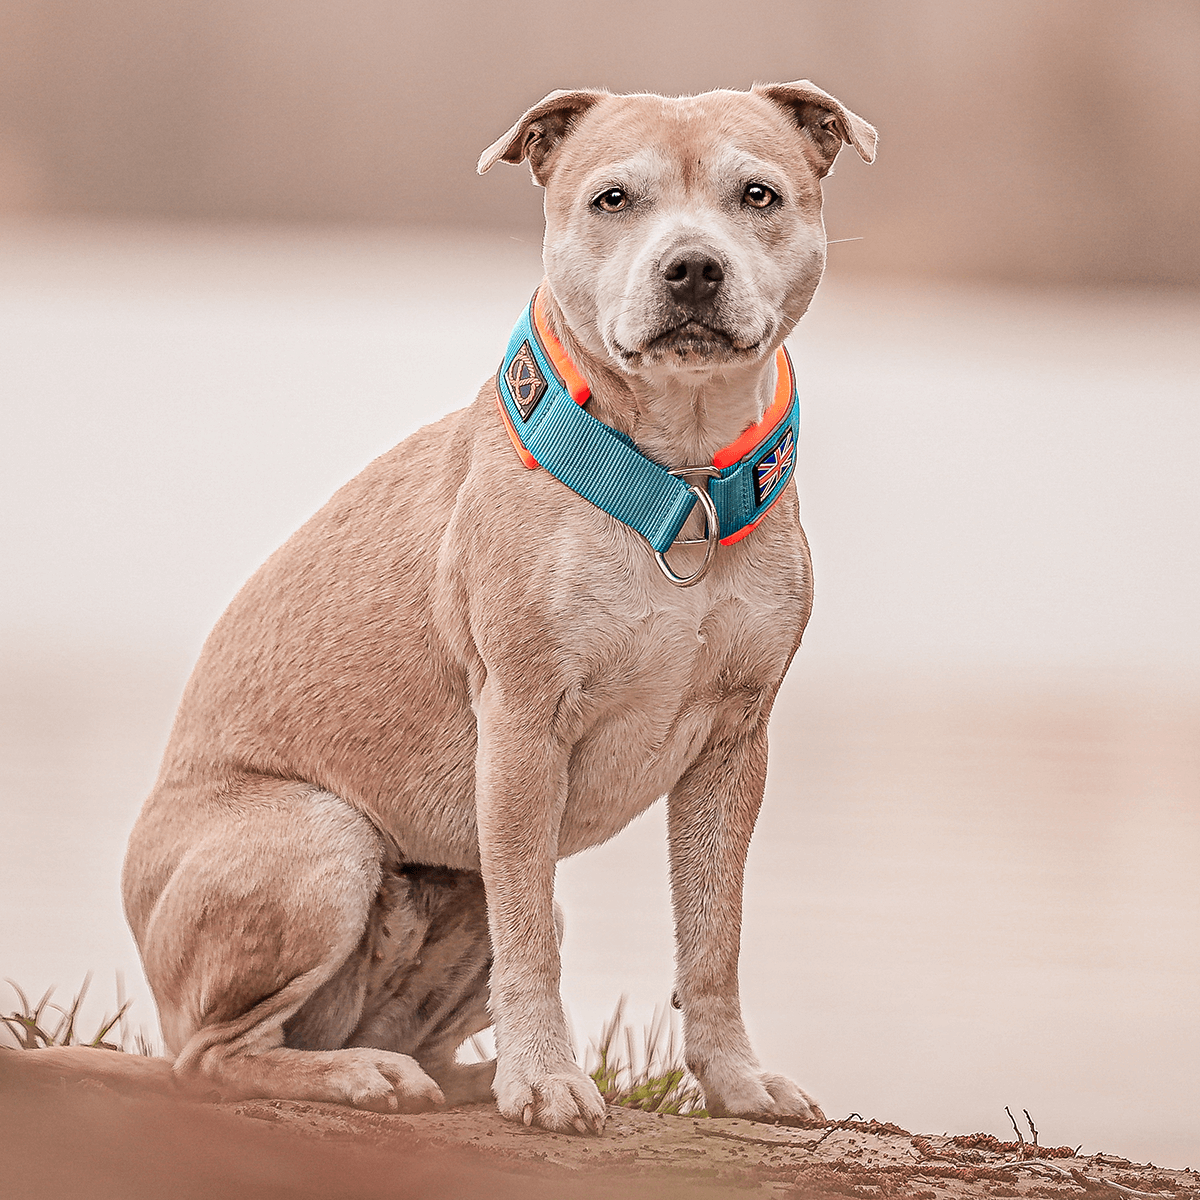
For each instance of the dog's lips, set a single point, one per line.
(693, 337)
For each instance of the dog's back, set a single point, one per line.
(325, 668)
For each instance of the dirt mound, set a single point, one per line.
(71, 1134)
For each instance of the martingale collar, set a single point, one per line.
(541, 397)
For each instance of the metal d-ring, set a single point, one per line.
(712, 537)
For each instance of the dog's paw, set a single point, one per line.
(758, 1094)
(561, 1099)
(788, 1100)
(381, 1081)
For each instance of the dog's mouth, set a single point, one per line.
(692, 339)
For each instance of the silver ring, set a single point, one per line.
(683, 473)
(712, 538)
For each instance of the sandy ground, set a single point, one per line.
(68, 1135)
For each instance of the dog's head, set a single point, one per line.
(683, 233)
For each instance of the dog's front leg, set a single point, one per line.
(711, 815)
(520, 793)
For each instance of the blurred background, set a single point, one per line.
(243, 250)
(1025, 141)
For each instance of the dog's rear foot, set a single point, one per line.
(382, 1081)
(378, 1080)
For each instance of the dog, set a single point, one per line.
(505, 639)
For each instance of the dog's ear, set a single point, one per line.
(539, 132)
(826, 121)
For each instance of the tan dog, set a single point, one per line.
(460, 671)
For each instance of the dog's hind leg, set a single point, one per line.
(256, 917)
(422, 968)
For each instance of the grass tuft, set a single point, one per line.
(650, 1076)
(654, 1080)
(35, 1026)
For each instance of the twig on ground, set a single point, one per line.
(1080, 1178)
(834, 1128)
(1016, 1130)
(1032, 1127)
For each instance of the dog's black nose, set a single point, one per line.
(693, 277)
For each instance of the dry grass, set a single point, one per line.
(651, 1077)
(45, 1023)
(643, 1071)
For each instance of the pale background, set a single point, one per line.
(244, 251)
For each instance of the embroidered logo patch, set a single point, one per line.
(526, 384)
(774, 466)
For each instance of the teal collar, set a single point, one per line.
(542, 396)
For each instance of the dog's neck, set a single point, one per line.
(678, 422)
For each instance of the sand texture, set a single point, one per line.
(68, 1133)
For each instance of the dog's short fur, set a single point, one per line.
(459, 671)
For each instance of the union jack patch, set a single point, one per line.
(774, 466)
(526, 384)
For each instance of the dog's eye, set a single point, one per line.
(758, 195)
(612, 200)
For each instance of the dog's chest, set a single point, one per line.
(654, 688)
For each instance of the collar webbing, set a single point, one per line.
(541, 397)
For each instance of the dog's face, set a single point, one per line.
(684, 235)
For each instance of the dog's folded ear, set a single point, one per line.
(539, 131)
(827, 122)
